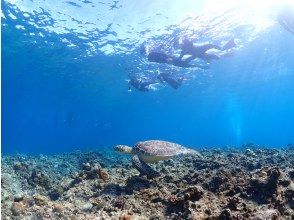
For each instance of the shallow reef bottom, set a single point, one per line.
(252, 183)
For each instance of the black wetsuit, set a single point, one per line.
(188, 48)
(158, 57)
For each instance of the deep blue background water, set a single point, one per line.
(52, 102)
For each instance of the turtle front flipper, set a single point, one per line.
(143, 167)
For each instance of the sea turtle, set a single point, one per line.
(150, 152)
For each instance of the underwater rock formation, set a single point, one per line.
(256, 183)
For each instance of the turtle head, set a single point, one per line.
(123, 149)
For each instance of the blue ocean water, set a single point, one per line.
(65, 68)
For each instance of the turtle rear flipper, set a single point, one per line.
(144, 168)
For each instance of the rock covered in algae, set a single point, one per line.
(222, 184)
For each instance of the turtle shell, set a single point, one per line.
(157, 148)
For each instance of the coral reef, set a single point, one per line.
(254, 183)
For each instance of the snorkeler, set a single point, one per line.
(188, 48)
(286, 19)
(159, 57)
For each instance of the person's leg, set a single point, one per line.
(174, 82)
(230, 44)
(187, 60)
(207, 47)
